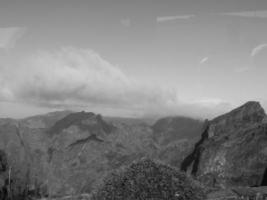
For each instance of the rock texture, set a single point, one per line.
(232, 150)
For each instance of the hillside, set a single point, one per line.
(64, 153)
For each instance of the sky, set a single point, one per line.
(132, 58)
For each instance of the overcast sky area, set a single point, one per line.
(132, 58)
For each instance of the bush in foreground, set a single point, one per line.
(146, 180)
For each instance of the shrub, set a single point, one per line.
(146, 180)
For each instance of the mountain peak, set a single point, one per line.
(84, 120)
(248, 114)
(251, 110)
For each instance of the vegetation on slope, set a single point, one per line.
(147, 179)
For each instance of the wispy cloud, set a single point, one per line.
(262, 14)
(258, 49)
(249, 14)
(204, 60)
(176, 17)
(9, 36)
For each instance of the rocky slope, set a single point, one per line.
(232, 150)
(25, 144)
(64, 153)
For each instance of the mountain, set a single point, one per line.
(170, 129)
(176, 137)
(25, 144)
(232, 150)
(69, 153)
(44, 121)
(66, 153)
(85, 147)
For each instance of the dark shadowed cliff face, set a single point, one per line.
(232, 151)
(175, 137)
(169, 129)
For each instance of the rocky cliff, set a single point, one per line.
(25, 145)
(232, 150)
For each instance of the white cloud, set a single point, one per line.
(77, 77)
(9, 36)
(258, 49)
(171, 18)
(249, 14)
(80, 78)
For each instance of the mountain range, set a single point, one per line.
(69, 153)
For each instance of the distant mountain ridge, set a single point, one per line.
(171, 128)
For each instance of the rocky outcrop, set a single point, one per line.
(232, 150)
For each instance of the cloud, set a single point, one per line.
(80, 78)
(125, 22)
(242, 69)
(258, 49)
(204, 60)
(176, 17)
(77, 77)
(261, 14)
(9, 36)
(249, 14)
